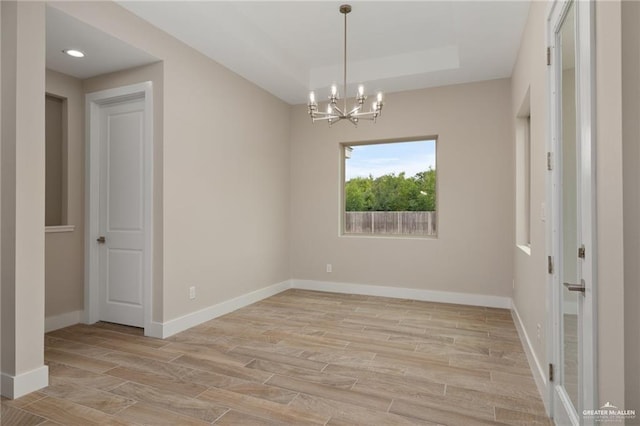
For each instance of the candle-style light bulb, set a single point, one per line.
(312, 97)
(334, 90)
(374, 106)
(379, 97)
(360, 90)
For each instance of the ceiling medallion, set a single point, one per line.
(335, 113)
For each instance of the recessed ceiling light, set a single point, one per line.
(74, 52)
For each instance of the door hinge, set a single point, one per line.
(548, 55)
(551, 372)
(549, 161)
(582, 252)
(550, 264)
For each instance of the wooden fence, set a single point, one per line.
(400, 223)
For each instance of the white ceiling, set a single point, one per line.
(104, 53)
(290, 47)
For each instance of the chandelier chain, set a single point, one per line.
(344, 87)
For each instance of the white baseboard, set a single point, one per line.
(405, 293)
(171, 327)
(16, 386)
(537, 371)
(56, 322)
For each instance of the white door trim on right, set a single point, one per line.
(585, 128)
(92, 190)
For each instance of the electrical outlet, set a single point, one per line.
(329, 267)
(192, 292)
(539, 331)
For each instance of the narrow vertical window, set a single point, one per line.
(523, 175)
(527, 179)
(55, 194)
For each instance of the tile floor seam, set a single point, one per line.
(220, 416)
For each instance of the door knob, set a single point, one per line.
(575, 287)
(101, 240)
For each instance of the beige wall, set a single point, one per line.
(8, 50)
(529, 75)
(225, 175)
(631, 175)
(155, 74)
(611, 375)
(472, 253)
(2, 104)
(226, 186)
(23, 160)
(64, 251)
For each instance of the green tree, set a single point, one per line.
(386, 192)
(392, 193)
(358, 196)
(426, 181)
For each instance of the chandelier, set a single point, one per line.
(335, 113)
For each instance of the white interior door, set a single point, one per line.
(121, 221)
(118, 213)
(572, 200)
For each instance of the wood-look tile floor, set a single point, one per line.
(298, 358)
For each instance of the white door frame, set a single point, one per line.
(94, 101)
(585, 129)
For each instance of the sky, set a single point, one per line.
(382, 159)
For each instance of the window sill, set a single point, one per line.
(525, 248)
(58, 229)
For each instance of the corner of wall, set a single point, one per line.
(67, 319)
(162, 330)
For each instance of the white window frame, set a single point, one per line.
(342, 204)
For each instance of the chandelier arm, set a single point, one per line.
(335, 119)
(325, 117)
(364, 113)
(355, 110)
(340, 112)
(366, 116)
(324, 114)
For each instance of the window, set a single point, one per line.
(389, 188)
(523, 176)
(55, 189)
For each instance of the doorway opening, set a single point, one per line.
(119, 175)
